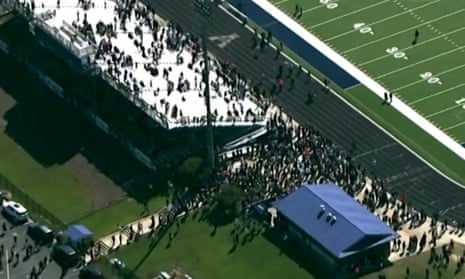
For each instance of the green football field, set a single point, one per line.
(377, 36)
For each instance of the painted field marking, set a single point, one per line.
(313, 8)
(350, 13)
(404, 49)
(280, 2)
(419, 18)
(388, 18)
(443, 110)
(421, 80)
(420, 62)
(436, 94)
(454, 126)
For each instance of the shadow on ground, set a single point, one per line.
(53, 132)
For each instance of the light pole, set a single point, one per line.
(204, 8)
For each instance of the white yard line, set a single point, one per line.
(280, 2)
(419, 18)
(409, 47)
(443, 110)
(395, 34)
(421, 80)
(312, 9)
(384, 19)
(454, 126)
(351, 13)
(436, 94)
(420, 62)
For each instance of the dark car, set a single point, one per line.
(65, 256)
(40, 234)
(90, 272)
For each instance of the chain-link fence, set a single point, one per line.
(36, 211)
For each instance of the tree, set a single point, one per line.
(228, 200)
(189, 172)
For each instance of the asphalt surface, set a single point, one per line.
(376, 151)
(24, 267)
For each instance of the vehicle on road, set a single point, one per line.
(90, 272)
(65, 256)
(41, 234)
(15, 212)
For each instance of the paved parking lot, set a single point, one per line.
(23, 268)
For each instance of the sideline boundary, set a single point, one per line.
(363, 78)
(380, 94)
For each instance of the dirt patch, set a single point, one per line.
(101, 189)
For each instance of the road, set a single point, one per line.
(402, 171)
(24, 267)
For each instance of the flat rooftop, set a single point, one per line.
(157, 71)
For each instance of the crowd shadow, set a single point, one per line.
(53, 131)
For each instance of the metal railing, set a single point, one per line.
(36, 210)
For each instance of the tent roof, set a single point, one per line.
(334, 219)
(77, 233)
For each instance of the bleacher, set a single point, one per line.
(128, 115)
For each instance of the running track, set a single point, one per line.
(402, 171)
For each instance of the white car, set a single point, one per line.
(15, 212)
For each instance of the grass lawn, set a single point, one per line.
(201, 255)
(44, 184)
(418, 265)
(105, 221)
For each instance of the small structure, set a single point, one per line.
(334, 229)
(79, 237)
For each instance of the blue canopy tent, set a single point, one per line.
(77, 234)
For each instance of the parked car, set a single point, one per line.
(65, 256)
(90, 272)
(15, 212)
(41, 234)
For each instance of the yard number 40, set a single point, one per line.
(363, 28)
(329, 4)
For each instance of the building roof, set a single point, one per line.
(77, 233)
(230, 107)
(334, 219)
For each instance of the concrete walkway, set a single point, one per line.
(122, 237)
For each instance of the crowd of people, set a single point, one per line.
(288, 156)
(165, 67)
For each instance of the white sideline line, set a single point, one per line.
(443, 110)
(384, 19)
(409, 47)
(421, 80)
(348, 14)
(455, 126)
(436, 94)
(419, 62)
(366, 81)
